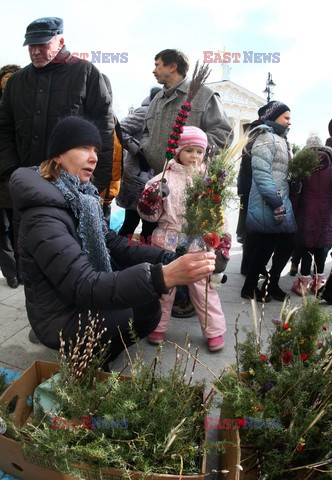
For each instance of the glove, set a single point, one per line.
(168, 257)
(222, 254)
(279, 214)
(154, 194)
(295, 187)
(150, 199)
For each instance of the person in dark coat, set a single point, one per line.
(328, 142)
(244, 181)
(325, 292)
(5, 73)
(7, 255)
(72, 263)
(54, 85)
(313, 213)
(270, 215)
(136, 171)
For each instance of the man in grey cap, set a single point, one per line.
(54, 85)
(44, 39)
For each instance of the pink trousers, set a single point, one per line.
(216, 325)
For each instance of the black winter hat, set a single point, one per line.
(72, 132)
(272, 110)
(330, 128)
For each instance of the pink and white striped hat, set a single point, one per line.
(192, 136)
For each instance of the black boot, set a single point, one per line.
(273, 289)
(251, 291)
(325, 292)
(255, 295)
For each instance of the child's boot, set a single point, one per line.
(216, 343)
(301, 285)
(156, 338)
(317, 283)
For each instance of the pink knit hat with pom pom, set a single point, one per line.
(192, 136)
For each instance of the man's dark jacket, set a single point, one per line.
(36, 98)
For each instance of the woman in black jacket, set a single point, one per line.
(72, 263)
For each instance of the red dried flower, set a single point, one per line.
(299, 448)
(241, 422)
(196, 196)
(216, 198)
(86, 423)
(286, 356)
(263, 358)
(304, 356)
(212, 239)
(286, 325)
(259, 408)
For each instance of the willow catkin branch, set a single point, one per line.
(187, 346)
(237, 347)
(197, 360)
(194, 366)
(199, 77)
(206, 303)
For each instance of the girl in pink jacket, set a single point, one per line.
(168, 211)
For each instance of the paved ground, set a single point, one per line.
(17, 353)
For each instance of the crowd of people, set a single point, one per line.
(61, 149)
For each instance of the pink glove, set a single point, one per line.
(222, 253)
(279, 214)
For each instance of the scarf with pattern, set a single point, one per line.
(84, 202)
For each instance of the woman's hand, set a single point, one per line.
(189, 268)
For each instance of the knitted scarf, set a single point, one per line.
(278, 129)
(84, 202)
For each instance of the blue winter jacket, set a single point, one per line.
(269, 188)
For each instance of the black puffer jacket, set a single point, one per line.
(59, 281)
(36, 98)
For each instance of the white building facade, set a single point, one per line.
(240, 104)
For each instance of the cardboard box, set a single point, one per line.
(235, 455)
(246, 456)
(34, 467)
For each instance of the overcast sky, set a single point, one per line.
(139, 29)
